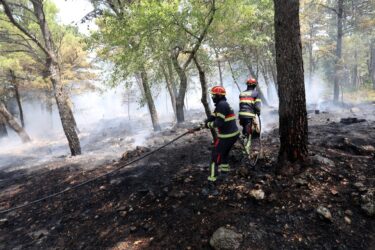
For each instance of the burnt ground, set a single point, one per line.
(158, 204)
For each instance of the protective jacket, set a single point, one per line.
(223, 119)
(250, 103)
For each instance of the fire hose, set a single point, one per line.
(27, 204)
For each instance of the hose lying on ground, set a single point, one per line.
(100, 176)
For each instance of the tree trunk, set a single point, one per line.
(273, 72)
(71, 106)
(182, 91)
(129, 104)
(292, 103)
(267, 82)
(262, 96)
(355, 80)
(3, 128)
(311, 59)
(171, 75)
(257, 64)
(181, 70)
(150, 101)
(234, 78)
(11, 121)
(219, 67)
(251, 70)
(49, 105)
(372, 63)
(17, 94)
(169, 81)
(66, 114)
(336, 88)
(202, 78)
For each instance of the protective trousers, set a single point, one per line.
(220, 153)
(246, 124)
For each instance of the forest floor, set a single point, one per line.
(158, 203)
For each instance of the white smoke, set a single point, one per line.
(102, 118)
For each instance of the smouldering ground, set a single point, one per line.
(158, 203)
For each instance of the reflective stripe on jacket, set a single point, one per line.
(250, 103)
(224, 120)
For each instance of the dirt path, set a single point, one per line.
(158, 204)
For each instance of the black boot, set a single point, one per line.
(223, 176)
(210, 190)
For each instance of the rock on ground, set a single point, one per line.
(224, 238)
(324, 212)
(322, 160)
(368, 203)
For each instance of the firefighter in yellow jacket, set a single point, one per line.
(223, 120)
(250, 105)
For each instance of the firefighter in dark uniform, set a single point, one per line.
(250, 105)
(223, 120)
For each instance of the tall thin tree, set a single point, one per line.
(12, 122)
(46, 46)
(339, 12)
(150, 100)
(3, 128)
(182, 68)
(17, 95)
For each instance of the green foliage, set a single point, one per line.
(319, 30)
(143, 34)
(28, 61)
(140, 38)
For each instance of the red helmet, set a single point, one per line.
(251, 81)
(218, 90)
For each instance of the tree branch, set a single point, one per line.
(21, 6)
(184, 28)
(201, 36)
(329, 8)
(14, 51)
(113, 8)
(9, 14)
(22, 41)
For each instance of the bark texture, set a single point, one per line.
(66, 114)
(355, 74)
(12, 122)
(263, 69)
(233, 77)
(182, 90)
(168, 75)
(372, 63)
(262, 96)
(272, 69)
(219, 67)
(310, 50)
(3, 128)
(181, 69)
(202, 78)
(150, 101)
(45, 44)
(18, 97)
(336, 87)
(291, 89)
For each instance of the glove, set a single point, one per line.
(206, 123)
(199, 127)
